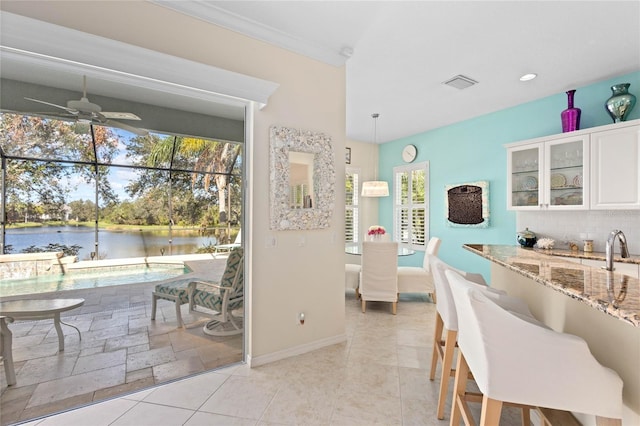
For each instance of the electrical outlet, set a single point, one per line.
(271, 242)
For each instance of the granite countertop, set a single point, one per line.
(613, 293)
(592, 256)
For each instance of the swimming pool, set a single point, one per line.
(90, 278)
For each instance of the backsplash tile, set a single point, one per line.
(565, 226)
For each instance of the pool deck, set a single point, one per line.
(121, 349)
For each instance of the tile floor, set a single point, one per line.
(121, 351)
(379, 376)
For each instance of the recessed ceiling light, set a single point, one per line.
(528, 77)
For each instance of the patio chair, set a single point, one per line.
(237, 243)
(174, 291)
(219, 300)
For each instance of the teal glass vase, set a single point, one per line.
(621, 102)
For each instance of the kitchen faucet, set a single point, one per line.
(624, 251)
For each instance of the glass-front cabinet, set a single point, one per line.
(549, 175)
(525, 175)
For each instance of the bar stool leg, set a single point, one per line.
(459, 388)
(437, 338)
(605, 421)
(447, 362)
(491, 410)
(526, 416)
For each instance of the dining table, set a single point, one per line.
(357, 250)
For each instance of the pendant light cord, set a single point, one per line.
(375, 116)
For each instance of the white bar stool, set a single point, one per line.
(519, 362)
(446, 328)
(447, 323)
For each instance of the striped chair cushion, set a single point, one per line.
(176, 289)
(213, 299)
(234, 261)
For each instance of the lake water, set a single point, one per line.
(113, 244)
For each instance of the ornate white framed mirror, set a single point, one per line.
(302, 173)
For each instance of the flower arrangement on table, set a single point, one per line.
(376, 230)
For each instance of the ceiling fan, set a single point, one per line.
(83, 110)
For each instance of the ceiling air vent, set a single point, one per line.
(460, 82)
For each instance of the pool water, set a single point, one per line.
(90, 279)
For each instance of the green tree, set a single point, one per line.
(199, 176)
(82, 210)
(33, 147)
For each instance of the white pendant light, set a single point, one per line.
(375, 188)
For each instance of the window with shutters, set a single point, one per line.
(411, 205)
(352, 204)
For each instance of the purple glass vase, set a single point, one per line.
(570, 116)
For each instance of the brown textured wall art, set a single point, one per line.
(468, 204)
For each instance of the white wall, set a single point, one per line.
(364, 157)
(564, 226)
(304, 272)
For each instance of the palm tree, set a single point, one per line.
(214, 158)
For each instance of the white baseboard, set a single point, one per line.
(296, 350)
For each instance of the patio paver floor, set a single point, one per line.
(121, 350)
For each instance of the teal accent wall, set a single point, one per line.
(473, 150)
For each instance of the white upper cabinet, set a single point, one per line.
(596, 168)
(615, 165)
(549, 174)
(524, 170)
(567, 173)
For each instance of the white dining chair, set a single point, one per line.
(418, 279)
(515, 361)
(352, 277)
(378, 277)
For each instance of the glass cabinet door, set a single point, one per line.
(566, 169)
(525, 175)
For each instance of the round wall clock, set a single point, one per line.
(409, 153)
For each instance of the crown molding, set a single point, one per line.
(219, 16)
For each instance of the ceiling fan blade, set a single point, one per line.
(119, 125)
(86, 111)
(53, 105)
(53, 115)
(120, 115)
